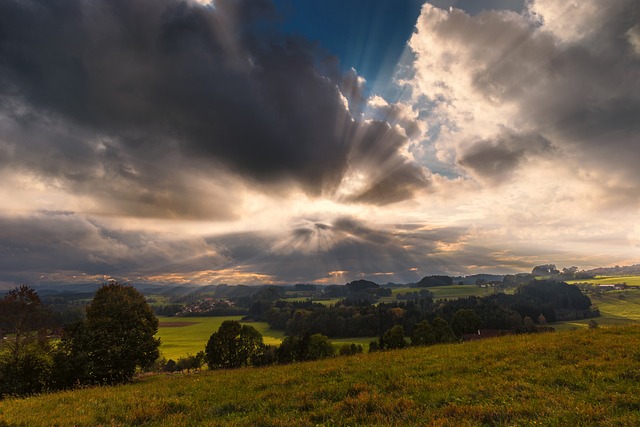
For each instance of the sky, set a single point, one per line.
(298, 141)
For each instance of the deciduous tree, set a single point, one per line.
(25, 353)
(117, 336)
(423, 334)
(394, 338)
(233, 346)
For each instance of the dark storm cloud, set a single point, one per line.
(125, 96)
(496, 160)
(68, 244)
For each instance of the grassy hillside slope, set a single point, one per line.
(585, 377)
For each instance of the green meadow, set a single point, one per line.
(586, 377)
(610, 280)
(616, 308)
(188, 335)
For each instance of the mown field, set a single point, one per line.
(189, 335)
(179, 340)
(610, 280)
(573, 378)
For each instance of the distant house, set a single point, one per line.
(613, 287)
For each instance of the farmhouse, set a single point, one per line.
(613, 287)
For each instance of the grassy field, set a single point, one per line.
(572, 378)
(616, 308)
(610, 280)
(442, 292)
(178, 340)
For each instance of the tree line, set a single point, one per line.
(553, 300)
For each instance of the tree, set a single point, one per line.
(25, 353)
(190, 362)
(268, 356)
(349, 349)
(117, 336)
(394, 338)
(545, 270)
(289, 350)
(423, 334)
(442, 331)
(233, 346)
(23, 318)
(465, 321)
(431, 281)
(319, 347)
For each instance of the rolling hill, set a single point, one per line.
(583, 377)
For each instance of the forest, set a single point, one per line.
(542, 302)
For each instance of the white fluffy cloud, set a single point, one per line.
(504, 92)
(537, 112)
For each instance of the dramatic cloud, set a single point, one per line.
(559, 80)
(498, 159)
(192, 141)
(138, 97)
(65, 247)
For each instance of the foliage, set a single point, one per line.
(304, 348)
(343, 320)
(233, 346)
(319, 347)
(545, 270)
(554, 300)
(23, 319)
(431, 281)
(188, 362)
(361, 285)
(350, 349)
(416, 295)
(560, 295)
(26, 357)
(27, 372)
(393, 338)
(465, 321)
(442, 331)
(572, 378)
(116, 338)
(423, 334)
